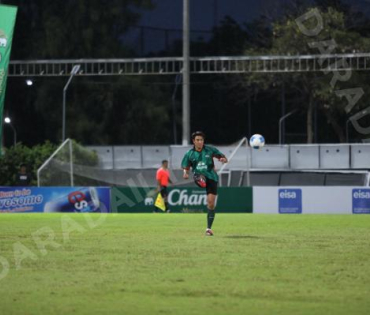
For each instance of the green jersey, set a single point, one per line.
(202, 161)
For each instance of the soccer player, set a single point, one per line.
(163, 178)
(200, 159)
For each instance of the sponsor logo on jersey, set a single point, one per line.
(201, 166)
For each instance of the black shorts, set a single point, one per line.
(164, 191)
(211, 186)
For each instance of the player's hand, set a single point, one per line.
(223, 160)
(185, 175)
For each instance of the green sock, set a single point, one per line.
(210, 217)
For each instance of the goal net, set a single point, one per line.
(70, 165)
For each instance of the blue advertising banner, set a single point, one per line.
(54, 199)
(290, 200)
(361, 201)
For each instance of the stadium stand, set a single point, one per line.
(334, 156)
(360, 156)
(302, 179)
(262, 179)
(332, 179)
(304, 157)
(273, 165)
(271, 157)
(176, 155)
(106, 158)
(154, 155)
(127, 157)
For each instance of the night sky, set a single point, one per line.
(203, 13)
(206, 14)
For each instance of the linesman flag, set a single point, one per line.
(159, 202)
(7, 21)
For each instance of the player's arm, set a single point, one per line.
(158, 177)
(158, 185)
(185, 175)
(223, 159)
(185, 165)
(220, 156)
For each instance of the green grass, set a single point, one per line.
(163, 264)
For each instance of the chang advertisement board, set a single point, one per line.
(184, 199)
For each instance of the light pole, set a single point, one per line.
(73, 72)
(347, 131)
(177, 82)
(186, 76)
(281, 122)
(8, 121)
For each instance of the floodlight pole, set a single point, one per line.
(347, 131)
(174, 122)
(73, 72)
(281, 122)
(186, 76)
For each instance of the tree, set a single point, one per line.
(35, 156)
(74, 28)
(19, 154)
(99, 111)
(314, 88)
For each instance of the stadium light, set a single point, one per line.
(73, 73)
(8, 121)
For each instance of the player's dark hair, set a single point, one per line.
(164, 161)
(197, 133)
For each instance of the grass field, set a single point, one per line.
(163, 264)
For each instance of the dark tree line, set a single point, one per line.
(138, 110)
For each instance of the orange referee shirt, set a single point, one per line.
(163, 176)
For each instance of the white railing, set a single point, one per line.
(174, 65)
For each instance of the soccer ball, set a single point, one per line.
(257, 141)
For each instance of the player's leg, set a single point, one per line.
(211, 198)
(211, 203)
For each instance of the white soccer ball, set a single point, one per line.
(257, 141)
